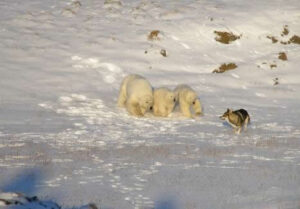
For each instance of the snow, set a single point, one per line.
(63, 138)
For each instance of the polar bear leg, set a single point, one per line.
(161, 110)
(122, 94)
(156, 110)
(134, 108)
(185, 109)
(122, 99)
(197, 107)
(166, 112)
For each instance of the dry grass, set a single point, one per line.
(295, 40)
(163, 52)
(226, 37)
(274, 40)
(282, 56)
(285, 31)
(273, 66)
(276, 81)
(154, 35)
(225, 67)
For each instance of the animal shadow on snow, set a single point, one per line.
(166, 203)
(19, 191)
(23, 183)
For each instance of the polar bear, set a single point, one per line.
(136, 94)
(186, 98)
(164, 101)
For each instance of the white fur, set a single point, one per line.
(164, 101)
(136, 95)
(187, 98)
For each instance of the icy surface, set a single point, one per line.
(63, 138)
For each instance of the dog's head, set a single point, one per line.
(226, 114)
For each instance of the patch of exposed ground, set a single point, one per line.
(276, 81)
(225, 67)
(295, 39)
(285, 31)
(274, 40)
(163, 52)
(282, 56)
(153, 35)
(226, 37)
(273, 66)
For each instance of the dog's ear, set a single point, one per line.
(229, 110)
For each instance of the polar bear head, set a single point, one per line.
(191, 97)
(169, 102)
(146, 103)
(171, 97)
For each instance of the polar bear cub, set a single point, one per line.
(186, 98)
(164, 101)
(136, 95)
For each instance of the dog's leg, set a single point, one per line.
(238, 130)
(246, 123)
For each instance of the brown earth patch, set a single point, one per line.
(295, 39)
(273, 66)
(163, 52)
(153, 35)
(285, 31)
(276, 81)
(282, 56)
(225, 67)
(274, 40)
(226, 37)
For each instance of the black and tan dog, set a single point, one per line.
(237, 119)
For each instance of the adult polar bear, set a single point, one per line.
(164, 101)
(187, 97)
(136, 94)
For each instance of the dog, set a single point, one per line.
(237, 119)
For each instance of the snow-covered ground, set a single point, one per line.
(63, 138)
